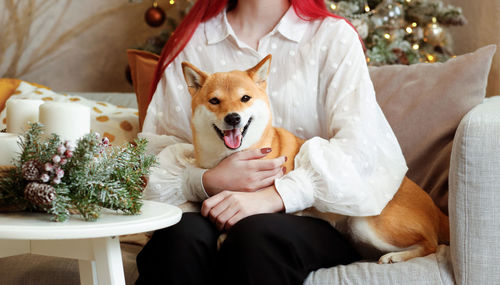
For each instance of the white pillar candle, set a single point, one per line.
(20, 112)
(68, 120)
(9, 149)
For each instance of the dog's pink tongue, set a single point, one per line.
(232, 138)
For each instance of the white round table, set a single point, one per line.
(94, 244)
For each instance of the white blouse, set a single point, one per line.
(320, 90)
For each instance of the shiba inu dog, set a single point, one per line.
(231, 112)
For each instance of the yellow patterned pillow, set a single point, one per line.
(117, 123)
(8, 87)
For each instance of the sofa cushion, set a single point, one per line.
(434, 268)
(424, 104)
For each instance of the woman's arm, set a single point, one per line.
(360, 167)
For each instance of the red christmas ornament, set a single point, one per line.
(155, 16)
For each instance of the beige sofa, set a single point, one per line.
(451, 139)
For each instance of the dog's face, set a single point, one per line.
(230, 110)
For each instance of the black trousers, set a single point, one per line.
(260, 249)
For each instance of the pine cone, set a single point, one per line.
(31, 170)
(39, 193)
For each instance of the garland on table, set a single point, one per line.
(60, 178)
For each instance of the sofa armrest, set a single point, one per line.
(474, 196)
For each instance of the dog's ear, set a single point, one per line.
(259, 72)
(194, 77)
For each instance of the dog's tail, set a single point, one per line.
(444, 229)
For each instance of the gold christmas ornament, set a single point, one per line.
(434, 34)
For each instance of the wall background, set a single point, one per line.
(80, 45)
(73, 45)
(482, 29)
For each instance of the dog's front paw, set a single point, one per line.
(391, 257)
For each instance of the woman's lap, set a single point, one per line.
(260, 249)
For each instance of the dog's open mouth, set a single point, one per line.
(234, 137)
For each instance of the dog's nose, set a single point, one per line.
(232, 119)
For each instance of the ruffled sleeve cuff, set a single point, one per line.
(296, 190)
(194, 190)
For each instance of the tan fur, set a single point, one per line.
(410, 221)
(229, 87)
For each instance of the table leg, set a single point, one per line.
(108, 261)
(88, 272)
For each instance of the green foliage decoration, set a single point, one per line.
(86, 177)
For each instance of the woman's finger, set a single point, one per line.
(253, 153)
(215, 212)
(234, 219)
(268, 180)
(228, 213)
(209, 203)
(269, 164)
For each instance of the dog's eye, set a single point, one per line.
(214, 101)
(245, 98)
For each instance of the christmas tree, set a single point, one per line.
(401, 31)
(394, 31)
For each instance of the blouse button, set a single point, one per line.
(274, 46)
(300, 130)
(180, 87)
(239, 52)
(292, 53)
(160, 114)
(279, 121)
(343, 41)
(323, 48)
(178, 109)
(274, 93)
(273, 70)
(223, 62)
(335, 65)
(199, 48)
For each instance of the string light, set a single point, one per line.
(431, 58)
(414, 25)
(172, 2)
(333, 6)
(387, 36)
(367, 8)
(368, 60)
(409, 30)
(434, 20)
(415, 46)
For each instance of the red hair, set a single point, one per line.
(204, 10)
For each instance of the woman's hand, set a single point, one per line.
(228, 207)
(244, 171)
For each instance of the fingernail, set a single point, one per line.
(265, 150)
(284, 169)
